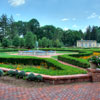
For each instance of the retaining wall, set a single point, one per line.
(63, 79)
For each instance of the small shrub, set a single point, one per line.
(6, 73)
(12, 73)
(39, 78)
(24, 78)
(21, 74)
(31, 77)
(1, 72)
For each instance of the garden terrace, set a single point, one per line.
(73, 58)
(76, 59)
(30, 60)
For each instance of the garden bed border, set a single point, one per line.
(61, 79)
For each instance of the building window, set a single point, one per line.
(86, 45)
(93, 45)
(82, 45)
(89, 44)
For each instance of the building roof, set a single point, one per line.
(86, 41)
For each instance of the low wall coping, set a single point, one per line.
(63, 77)
(97, 70)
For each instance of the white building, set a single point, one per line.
(87, 43)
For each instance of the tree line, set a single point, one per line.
(25, 34)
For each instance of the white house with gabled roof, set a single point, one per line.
(87, 43)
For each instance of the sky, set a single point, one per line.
(66, 14)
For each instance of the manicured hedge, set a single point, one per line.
(60, 49)
(82, 53)
(73, 58)
(11, 50)
(26, 60)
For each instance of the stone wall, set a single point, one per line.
(92, 76)
(95, 73)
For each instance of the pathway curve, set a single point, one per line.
(79, 91)
(65, 63)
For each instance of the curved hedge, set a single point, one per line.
(11, 50)
(73, 58)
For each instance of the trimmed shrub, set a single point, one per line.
(1, 72)
(39, 78)
(31, 77)
(73, 58)
(75, 61)
(82, 53)
(12, 73)
(21, 74)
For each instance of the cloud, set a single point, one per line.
(73, 19)
(16, 2)
(99, 17)
(65, 29)
(93, 15)
(18, 15)
(75, 26)
(84, 29)
(64, 19)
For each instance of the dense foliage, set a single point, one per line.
(47, 36)
(31, 31)
(1, 72)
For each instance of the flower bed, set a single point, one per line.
(48, 79)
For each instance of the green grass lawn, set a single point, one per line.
(55, 57)
(65, 52)
(69, 70)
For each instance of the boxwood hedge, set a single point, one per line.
(73, 58)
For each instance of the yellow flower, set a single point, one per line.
(39, 67)
(18, 68)
(44, 64)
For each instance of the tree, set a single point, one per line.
(22, 27)
(33, 26)
(98, 34)
(22, 42)
(48, 31)
(94, 33)
(82, 34)
(5, 42)
(70, 37)
(57, 43)
(50, 43)
(88, 34)
(4, 25)
(40, 42)
(30, 40)
(16, 41)
(44, 42)
(58, 34)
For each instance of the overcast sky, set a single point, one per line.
(67, 14)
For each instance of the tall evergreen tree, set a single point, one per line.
(88, 34)
(4, 25)
(93, 33)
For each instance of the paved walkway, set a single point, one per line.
(65, 63)
(82, 91)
